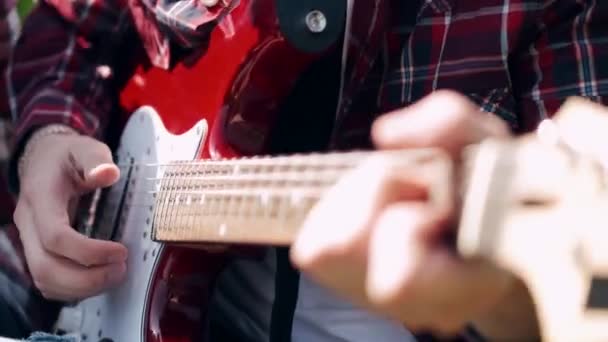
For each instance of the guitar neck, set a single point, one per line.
(264, 200)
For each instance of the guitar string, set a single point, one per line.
(264, 160)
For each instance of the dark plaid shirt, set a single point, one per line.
(518, 59)
(21, 308)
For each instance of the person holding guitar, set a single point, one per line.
(383, 250)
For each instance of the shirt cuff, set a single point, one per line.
(41, 115)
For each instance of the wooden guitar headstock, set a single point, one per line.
(538, 206)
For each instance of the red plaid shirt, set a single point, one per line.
(29, 310)
(518, 59)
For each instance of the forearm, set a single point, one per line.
(509, 322)
(54, 79)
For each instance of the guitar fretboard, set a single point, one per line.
(256, 200)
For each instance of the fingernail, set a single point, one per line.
(99, 168)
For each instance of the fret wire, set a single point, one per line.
(249, 183)
(213, 204)
(295, 198)
(182, 210)
(272, 201)
(266, 201)
(193, 222)
(231, 202)
(203, 205)
(221, 206)
(241, 203)
(308, 175)
(224, 211)
(282, 212)
(175, 215)
(183, 221)
(177, 224)
(206, 207)
(173, 192)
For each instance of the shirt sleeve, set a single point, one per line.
(566, 57)
(60, 71)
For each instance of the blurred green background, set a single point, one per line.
(24, 7)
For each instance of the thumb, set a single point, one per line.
(92, 164)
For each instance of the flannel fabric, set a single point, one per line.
(517, 59)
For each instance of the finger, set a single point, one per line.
(424, 283)
(91, 164)
(62, 279)
(57, 237)
(78, 282)
(444, 119)
(62, 240)
(402, 233)
(47, 202)
(339, 220)
(51, 220)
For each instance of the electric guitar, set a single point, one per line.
(194, 171)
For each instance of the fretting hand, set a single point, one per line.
(375, 240)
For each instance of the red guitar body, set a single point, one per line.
(237, 84)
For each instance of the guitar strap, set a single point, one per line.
(285, 297)
(315, 117)
(297, 117)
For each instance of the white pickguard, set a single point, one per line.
(118, 314)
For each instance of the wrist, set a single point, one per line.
(34, 140)
(512, 319)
